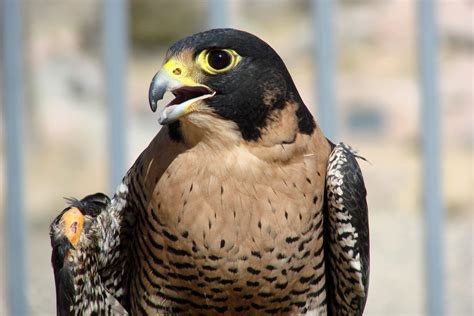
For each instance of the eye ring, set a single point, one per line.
(216, 61)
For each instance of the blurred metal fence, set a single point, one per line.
(115, 59)
(325, 56)
(115, 49)
(430, 127)
(13, 118)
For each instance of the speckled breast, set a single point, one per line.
(232, 240)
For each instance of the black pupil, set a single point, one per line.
(219, 59)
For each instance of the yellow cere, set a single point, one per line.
(179, 71)
(203, 62)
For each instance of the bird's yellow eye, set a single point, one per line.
(216, 61)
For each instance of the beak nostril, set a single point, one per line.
(177, 71)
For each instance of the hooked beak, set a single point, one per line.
(186, 95)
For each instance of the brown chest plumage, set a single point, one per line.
(230, 232)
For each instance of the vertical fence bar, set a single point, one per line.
(324, 56)
(115, 56)
(218, 13)
(13, 107)
(430, 123)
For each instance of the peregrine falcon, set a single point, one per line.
(239, 205)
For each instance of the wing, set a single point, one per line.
(347, 233)
(92, 265)
(75, 238)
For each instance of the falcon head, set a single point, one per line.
(230, 78)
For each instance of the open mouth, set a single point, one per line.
(185, 94)
(183, 103)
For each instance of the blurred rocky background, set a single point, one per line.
(378, 113)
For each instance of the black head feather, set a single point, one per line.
(240, 92)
